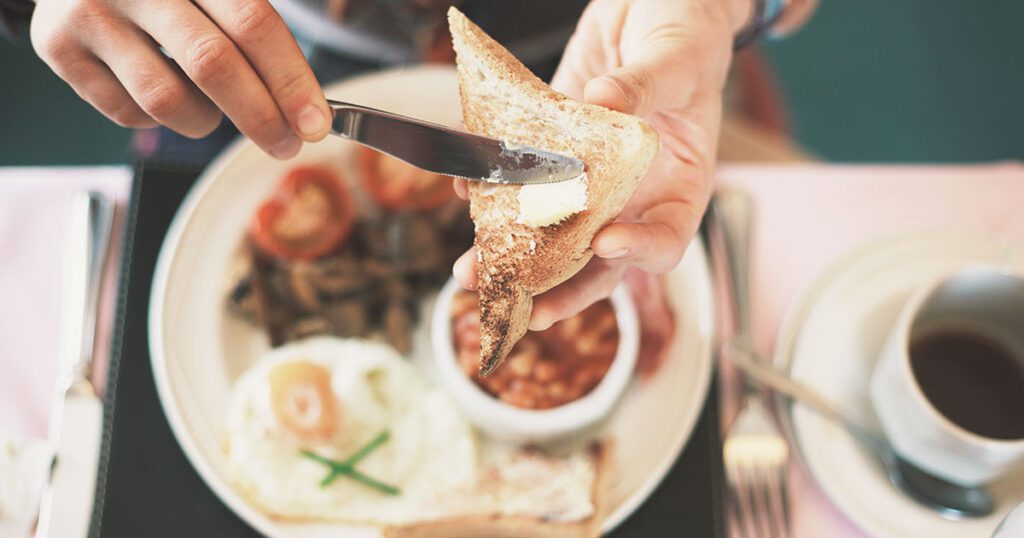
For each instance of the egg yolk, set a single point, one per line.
(302, 400)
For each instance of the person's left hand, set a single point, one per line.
(665, 61)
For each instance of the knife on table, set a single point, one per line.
(450, 152)
(76, 416)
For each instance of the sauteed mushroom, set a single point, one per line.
(370, 288)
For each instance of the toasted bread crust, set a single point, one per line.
(507, 315)
(520, 526)
(494, 524)
(502, 99)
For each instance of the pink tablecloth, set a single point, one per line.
(807, 216)
(34, 205)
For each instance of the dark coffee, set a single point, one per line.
(974, 381)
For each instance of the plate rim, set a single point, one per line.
(796, 315)
(157, 342)
(705, 323)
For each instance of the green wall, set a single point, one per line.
(908, 80)
(43, 121)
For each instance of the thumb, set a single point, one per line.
(654, 80)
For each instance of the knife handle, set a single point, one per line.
(733, 211)
(347, 118)
(90, 221)
(343, 124)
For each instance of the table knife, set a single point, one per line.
(450, 152)
(77, 413)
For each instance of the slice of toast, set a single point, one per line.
(524, 494)
(504, 100)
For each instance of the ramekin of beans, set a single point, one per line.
(554, 384)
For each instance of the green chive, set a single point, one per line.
(347, 467)
(381, 438)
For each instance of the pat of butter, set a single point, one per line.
(550, 203)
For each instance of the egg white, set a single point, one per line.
(431, 447)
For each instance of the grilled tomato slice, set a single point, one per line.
(310, 214)
(398, 186)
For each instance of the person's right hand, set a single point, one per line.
(230, 56)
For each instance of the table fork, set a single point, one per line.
(756, 458)
(755, 454)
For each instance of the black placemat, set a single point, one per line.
(146, 486)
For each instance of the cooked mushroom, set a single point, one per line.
(397, 326)
(371, 287)
(339, 276)
(422, 250)
(349, 318)
(311, 326)
(241, 300)
(301, 277)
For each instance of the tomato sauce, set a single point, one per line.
(546, 368)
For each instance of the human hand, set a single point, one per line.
(230, 56)
(665, 61)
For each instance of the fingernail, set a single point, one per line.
(311, 120)
(620, 253)
(539, 323)
(466, 280)
(287, 148)
(462, 271)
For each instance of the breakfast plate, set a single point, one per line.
(199, 349)
(831, 339)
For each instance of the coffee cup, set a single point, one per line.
(948, 388)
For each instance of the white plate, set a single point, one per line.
(830, 340)
(198, 349)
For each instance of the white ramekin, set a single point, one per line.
(513, 424)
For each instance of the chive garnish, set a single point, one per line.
(347, 468)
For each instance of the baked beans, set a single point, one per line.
(545, 369)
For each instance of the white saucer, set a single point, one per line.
(830, 340)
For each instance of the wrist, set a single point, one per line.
(765, 16)
(794, 16)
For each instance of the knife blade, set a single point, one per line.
(450, 152)
(77, 415)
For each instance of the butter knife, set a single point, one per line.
(76, 417)
(450, 152)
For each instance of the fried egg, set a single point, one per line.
(330, 397)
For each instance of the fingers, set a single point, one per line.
(656, 244)
(156, 85)
(595, 282)
(213, 62)
(646, 86)
(668, 51)
(461, 187)
(464, 270)
(572, 73)
(590, 48)
(97, 85)
(261, 35)
(93, 81)
(267, 89)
